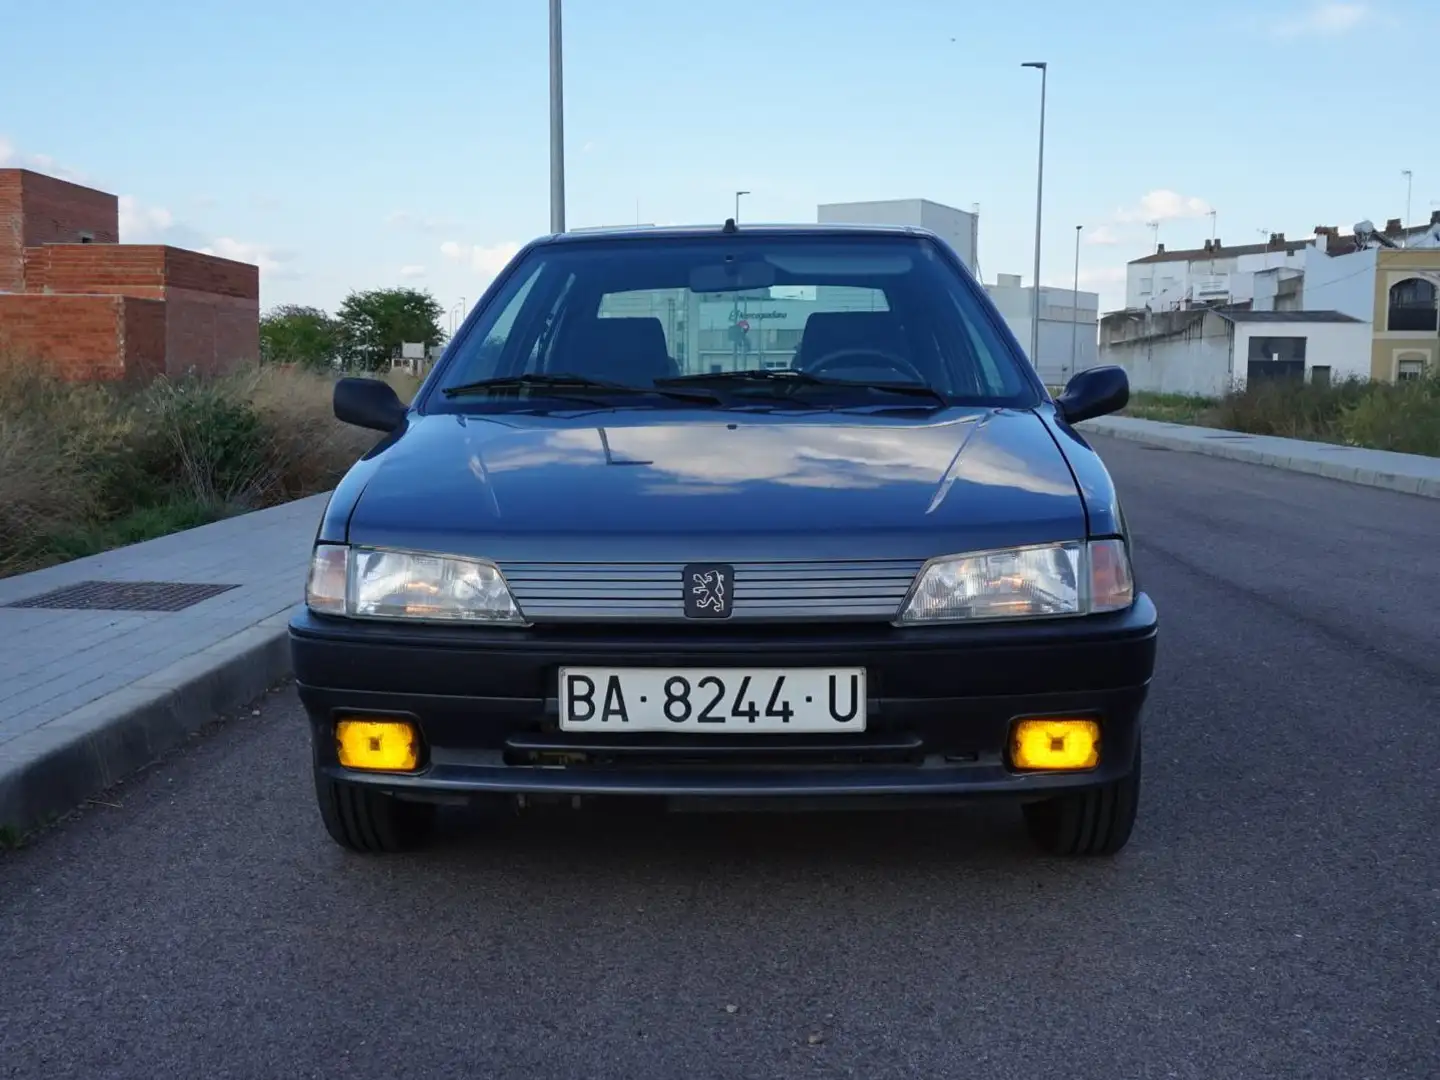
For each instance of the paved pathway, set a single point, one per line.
(64, 670)
(1413, 474)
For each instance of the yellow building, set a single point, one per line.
(1406, 341)
(1390, 279)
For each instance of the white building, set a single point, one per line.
(1210, 351)
(1213, 274)
(957, 228)
(1068, 322)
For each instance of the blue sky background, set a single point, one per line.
(357, 144)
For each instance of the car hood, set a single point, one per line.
(641, 485)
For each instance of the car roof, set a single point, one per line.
(688, 232)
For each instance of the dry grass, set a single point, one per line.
(84, 468)
(1404, 417)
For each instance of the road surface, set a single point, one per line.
(1276, 915)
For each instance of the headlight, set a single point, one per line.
(408, 585)
(1030, 582)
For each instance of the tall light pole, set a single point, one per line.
(557, 123)
(1075, 303)
(1044, 69)
(737, 205)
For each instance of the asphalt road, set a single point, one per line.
(1276, 915)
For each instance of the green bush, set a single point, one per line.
(1291, 409)
(199, 441)
(1404, 417)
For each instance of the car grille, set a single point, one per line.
(652, 592)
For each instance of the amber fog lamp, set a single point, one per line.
(1055, 744)
(378, 745)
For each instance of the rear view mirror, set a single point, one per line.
(732, 276)
(1096, 392)
(368, 403)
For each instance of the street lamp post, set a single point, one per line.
(1044, 68)
(1409, 190)
(737, 205)
(557, 123)
(1075, 303)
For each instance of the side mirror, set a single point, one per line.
(1096, 392)
(368, 403)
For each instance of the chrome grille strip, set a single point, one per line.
(554, 592)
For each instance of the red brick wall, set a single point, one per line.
(77, 337)
(84, 338)
(212, 274)
(143, 341)
(209, 319)
(37, 209)
(210, 333)
(57, 211)
(12, 233)
(124, 269)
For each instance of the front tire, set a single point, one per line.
(359, 818)
(1094, 822)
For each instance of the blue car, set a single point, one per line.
(770, 516)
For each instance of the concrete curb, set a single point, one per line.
(1411, 474)
(55, 768)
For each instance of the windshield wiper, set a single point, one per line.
(570, 382)
(793, 378)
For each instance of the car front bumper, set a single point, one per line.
(941, 705)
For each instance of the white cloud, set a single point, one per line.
(12, 157)
(1093, 277)
(1326, 18)
(1163, 205)
(485, 261)
(404, 219)
(142, 224)
(412, 271)
(1101, 234)
(272, 262)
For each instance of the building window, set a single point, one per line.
(1320, 376)
(1410, 370)
(1412, 306)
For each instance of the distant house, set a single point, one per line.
(1208, 351)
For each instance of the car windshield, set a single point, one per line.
(883, 320)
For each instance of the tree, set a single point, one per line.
(374, 323)
(295, 334)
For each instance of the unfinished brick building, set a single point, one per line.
(75, 298)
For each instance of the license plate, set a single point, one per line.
(725, 700)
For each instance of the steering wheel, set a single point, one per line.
(887, 359)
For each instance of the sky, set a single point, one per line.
(360, 144)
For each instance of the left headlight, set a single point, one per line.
(1028, 582)
(375, 584)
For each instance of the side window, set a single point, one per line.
(484, 359)
(537, 358)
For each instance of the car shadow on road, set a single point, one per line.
(975, 834)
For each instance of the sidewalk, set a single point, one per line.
(98, 683)
(1412, 474)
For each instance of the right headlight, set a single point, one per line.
(378, 584)
(1073, 578)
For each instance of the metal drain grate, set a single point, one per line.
(124, 596)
